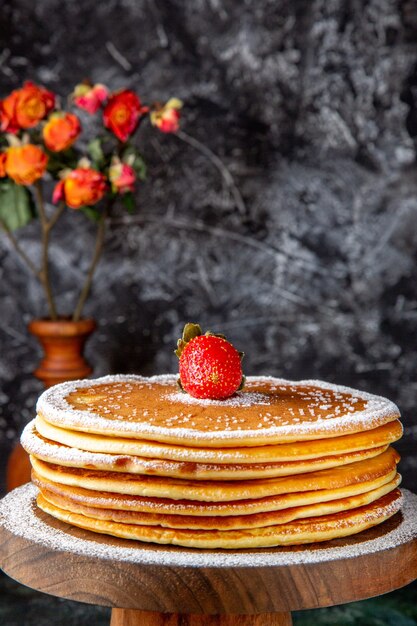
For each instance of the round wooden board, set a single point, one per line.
(64, 561)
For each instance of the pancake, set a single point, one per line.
(313, 529)
(212, 491)
(141, 504)
(279, 463)
(257, 520)
(268, 411)
(57, 453)
(317, 448)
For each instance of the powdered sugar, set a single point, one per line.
(53, 406)
(20, 516)
(239, 399)
(74, 457)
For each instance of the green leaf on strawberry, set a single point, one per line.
(190, 331)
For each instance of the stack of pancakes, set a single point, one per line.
(279, 463)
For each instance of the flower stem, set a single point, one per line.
(45, 230)
(55, 217)
(98, 249)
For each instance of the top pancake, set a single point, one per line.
(268, 411)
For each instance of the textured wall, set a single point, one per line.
(303, 250)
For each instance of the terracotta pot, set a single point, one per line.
(63, 344)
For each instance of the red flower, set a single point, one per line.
(25, 107)
(60, 131)
(3, 157)
(90, 97)
(80, 187)
(122, 113)
(122, 177)
(167, 117)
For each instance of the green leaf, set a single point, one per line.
(95, 151)
(91, 212)
(16, 205)
(128, 200)
(139, 166)
(191, 331)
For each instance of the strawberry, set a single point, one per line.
(210, 367)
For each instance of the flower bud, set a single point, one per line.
(167, 117)
(122, 177)
(90, 97)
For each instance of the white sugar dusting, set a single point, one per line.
(20, 516)
(247, 398)
(52, 452)
(75, 457)
(53, 406)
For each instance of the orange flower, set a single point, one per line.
(167, 117)
(25, 164)
(90, 97)
(80, 187)
(60, 131)
(122, 177)
(3, 157)
(122, 113)
(25, 107)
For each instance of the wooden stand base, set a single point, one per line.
(168, 586)
(127, 617)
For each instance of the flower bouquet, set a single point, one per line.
(40, 141)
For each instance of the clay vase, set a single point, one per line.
(63, 343)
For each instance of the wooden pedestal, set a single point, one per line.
(151, 585)
(127, 617)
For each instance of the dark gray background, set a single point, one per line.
(303, 250)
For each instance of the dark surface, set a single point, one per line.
(308, 262)
(21, 606)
